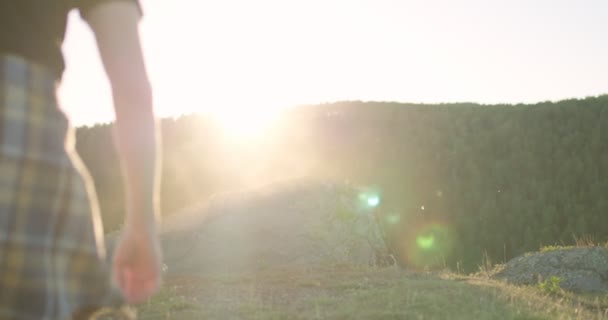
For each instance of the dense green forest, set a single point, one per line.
(478, 180)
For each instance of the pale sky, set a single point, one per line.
(244, 56)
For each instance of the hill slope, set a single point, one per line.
(347, 293)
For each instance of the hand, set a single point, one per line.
(137, 264)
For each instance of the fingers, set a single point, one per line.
(136, 269)
(130, 286)
(139, 288)
(137, 285)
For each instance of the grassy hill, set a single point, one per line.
(347, 293)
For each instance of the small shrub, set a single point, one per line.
(551, 285)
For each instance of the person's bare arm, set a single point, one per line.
(137, 256)
(115, 25)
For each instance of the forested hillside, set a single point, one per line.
(459, 180)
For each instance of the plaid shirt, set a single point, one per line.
(52, 259)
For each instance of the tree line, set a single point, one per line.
(490, 181)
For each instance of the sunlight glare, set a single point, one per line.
(245, 123)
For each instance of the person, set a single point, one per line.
(51, 240)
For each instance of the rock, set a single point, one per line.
(295, 224)
(582, 269)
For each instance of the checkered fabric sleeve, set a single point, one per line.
(52, 260)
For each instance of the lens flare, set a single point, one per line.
(370, 199)
(373, 201)
(393, 218)
(425, 242)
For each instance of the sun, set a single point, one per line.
(244, 124)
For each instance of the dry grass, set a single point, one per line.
(347, 293)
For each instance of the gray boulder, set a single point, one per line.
(582, 269)
(293, 224)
